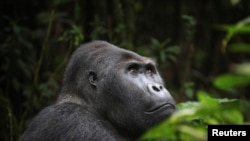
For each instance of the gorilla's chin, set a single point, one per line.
(166, 108)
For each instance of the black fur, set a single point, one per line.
(108, 94)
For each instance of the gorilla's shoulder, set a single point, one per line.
(56, 121)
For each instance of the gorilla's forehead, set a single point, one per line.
(133, 57)
(121, 55)
(101, 51)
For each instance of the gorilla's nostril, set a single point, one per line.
(156, 89)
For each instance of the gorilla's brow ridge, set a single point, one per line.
(129, 58)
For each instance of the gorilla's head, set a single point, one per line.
(121, 86)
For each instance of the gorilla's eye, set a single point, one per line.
(133, 69)
(150, 70)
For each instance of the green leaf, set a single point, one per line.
(243, 69)
(165, 42)
(188, 105)
(173, 49)
(196, 133)
(239, 47)
(237, 29)
(172, 58)
(232, 116)
(163, 57)
(226, 100)
(231, 81)
(162, 131)
(155, 43)
(208, 103)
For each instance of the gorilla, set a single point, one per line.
(108, 94)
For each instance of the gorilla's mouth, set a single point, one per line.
(166, 106)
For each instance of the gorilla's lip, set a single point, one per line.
(158, 108)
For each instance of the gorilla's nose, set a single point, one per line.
(155, 88)
(158, 90)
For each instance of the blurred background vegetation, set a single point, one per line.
(202, 48)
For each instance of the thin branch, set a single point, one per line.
(36, 77)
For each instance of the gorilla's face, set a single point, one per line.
(143, 76)
(134, 93)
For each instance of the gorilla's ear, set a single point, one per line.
(92, 78)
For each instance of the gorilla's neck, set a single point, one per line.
(120, 134)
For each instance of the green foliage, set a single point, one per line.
(241, 72)
(243, 69)
(166, 53)
(241, 27)
(189, 24)
(16, 68)
(231, 81)
(74, 35)
(191, 120)
(189, 89)
(99, 29)
(27, 84)
(239, 48)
